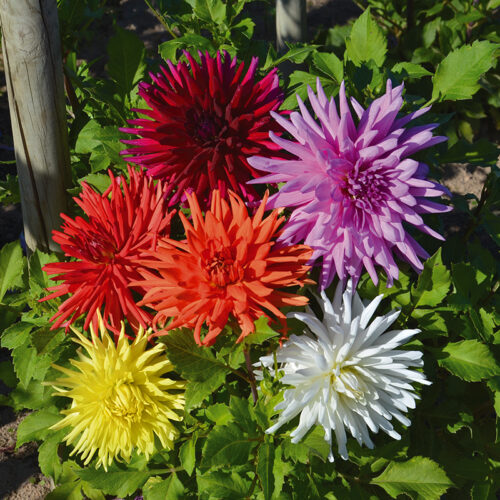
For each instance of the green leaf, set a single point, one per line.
(7, 374)
(262, 332)
(470, 360)
(297, 54)
(433, 283)
(48, 457)
(114, 481)
(457, 76)
(16, 335)
(481, 152)
(168, 50)
(224, 485)
(265, 464)
(419, 477)
(210, 10)
(187, 454)
(197, 392)
(36, 426)
(330, 65)
(226, 445)
(25, 361)
(244, 414)
(158, 489)
(219, 414)
(366, 41)
(410, 70)
(192, 361)
(127, 64)
(11, 267)
(313, 444)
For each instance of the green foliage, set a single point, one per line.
(366, 41)
(475, 59)
(419, 477)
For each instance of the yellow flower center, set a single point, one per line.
(346, 381)
(125, 401)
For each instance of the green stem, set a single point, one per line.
(251, 376)
(161, 19)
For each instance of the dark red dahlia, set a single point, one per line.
(205, 119)
(120, 226)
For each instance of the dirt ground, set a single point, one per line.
(20, 477)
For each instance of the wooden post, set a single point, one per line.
(33, 70)
(290, 22)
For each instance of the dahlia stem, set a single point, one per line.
(160, 18)
(251, 376)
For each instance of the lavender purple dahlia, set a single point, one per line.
(353, 186)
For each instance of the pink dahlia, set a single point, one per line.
(121, 225)
(352, 185)
(205, 120)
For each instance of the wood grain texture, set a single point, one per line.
(290, 22)
(34, 74)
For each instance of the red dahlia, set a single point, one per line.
(205, 119)
(228, 268)
(122, 224)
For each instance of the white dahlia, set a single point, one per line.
(347, 373)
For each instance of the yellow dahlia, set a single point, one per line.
(120, 398)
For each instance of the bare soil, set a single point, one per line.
(20, 476)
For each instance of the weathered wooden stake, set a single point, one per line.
(33, 70)
(290, 22)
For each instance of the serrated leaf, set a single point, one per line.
(210, 10)
(187, 455)
(470, 360)
(244, 414)
(366, 41)
(16, 335)
(114, 482)
(265, 464)
(11, 267)
(433, 283)
(457, 75)
(410, 70)
(24, 358)
(36, 426)
(127, 64)
(168, 50)
(262, 332)
(192, 361)
(197, 392)
(330, 65)
(226, 445)
(219, 414)
(296, 54)
(224, 485)
(48, 457)
(421, 478)
(161, 489)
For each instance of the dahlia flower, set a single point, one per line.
(205, 119)
(122, 224)
(120, 398)
(353, 186)
(228, 268)
(346, 373)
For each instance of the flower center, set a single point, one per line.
(367, 186)
(203, 127)
(221, 269)
(99, 249)
(345, 381)
(125, 401)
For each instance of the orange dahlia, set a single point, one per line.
(229, 267)
(121, 224)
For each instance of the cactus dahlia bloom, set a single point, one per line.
(121, 225)
(346, 373)
(352, 187)
(228, 268)
(120, 398)
(205, 119)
